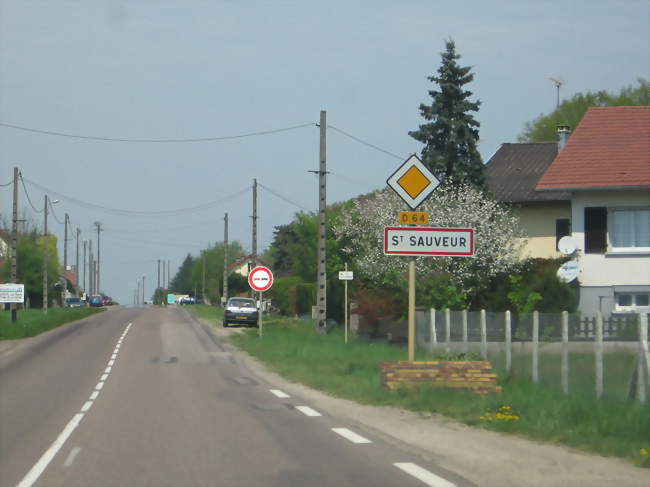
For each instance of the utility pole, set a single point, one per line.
(225, 259)
(158, 274)
(254, 222)
(321, 294)
(64, 286)
(77, 266)
(99, 229)
(169, 276)
(91, 266)
(137, 295)
(203, 284)
(14, 242)
(45, 252)
(143, 291)
(84, 266)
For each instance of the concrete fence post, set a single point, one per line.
(484, 335)
(433, 341)
(447, 331)
(599, 354)
(465, 339)
(643, 363)
(565, 352)
(535, 346)
(508, 341)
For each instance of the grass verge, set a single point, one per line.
(205, 312)
(610, 426)
(32, 322)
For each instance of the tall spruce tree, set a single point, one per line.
(450, 135)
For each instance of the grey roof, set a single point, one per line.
(513, 172)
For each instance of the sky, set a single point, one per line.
(165, 71)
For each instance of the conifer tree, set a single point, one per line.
(450, 134)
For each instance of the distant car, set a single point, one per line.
(188, 300)
(96, 301)
(73, 303)
(107, 301)
(240, 310)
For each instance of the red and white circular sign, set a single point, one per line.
(260, 278)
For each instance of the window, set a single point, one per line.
(632, 302)
(562, 229)
(595, 230)
(629, 229)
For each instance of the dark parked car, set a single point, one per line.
(96, 301)
(107, 301)
(240, 310)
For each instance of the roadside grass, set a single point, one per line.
(32, 322)
(205, 311)
(609, 426)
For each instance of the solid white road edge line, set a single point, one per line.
(279, 393)
(36, 471)
(307, 411)
(86, 406)
(73, 454)
(424, 475)
(94, 395)
(351, 435)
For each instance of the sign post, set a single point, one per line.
(260, 279)
(346, 276)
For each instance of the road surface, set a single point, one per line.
(147, 397)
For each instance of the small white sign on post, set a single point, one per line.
(346, 275)
(12, 293)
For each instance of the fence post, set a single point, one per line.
(599, 354)
(447, 331)
(432, 325)
(465, 340)
(643, 363)
(565, 352)
(508, 342)
(535, 346)
(483, 335)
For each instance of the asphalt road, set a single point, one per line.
(150, 398)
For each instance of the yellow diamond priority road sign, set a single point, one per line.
(413, 182)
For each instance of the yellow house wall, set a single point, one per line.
(538, 225)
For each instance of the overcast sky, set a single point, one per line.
(206, 69)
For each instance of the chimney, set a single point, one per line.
(563, 133)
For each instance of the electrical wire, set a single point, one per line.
(366, 143)
(27, 194)
(123, 212)
(156, 141)
(284, 198)
(4, 185)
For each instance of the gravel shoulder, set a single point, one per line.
(484, 457)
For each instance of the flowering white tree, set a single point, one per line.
(361, 231)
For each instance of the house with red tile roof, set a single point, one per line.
(605, 165)
(511, 176)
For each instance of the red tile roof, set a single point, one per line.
(609, 149)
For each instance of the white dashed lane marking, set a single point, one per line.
(430, 479)
(86, 406)
(351, 435)
(94, 395)
(307, 411)
(280, 394)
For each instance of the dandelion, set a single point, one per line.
(643, 451)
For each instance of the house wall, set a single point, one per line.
(538, 224)
(603, 275)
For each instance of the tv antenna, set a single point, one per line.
(558, 84)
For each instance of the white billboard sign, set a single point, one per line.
(12, 293)
(457, 242)
(346, 275)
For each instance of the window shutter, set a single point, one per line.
(595, 230)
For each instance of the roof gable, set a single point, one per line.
(609, 149)
(514, 170)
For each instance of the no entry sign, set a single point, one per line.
(260, 279)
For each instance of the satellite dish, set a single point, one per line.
(566, 245)
(568, 271)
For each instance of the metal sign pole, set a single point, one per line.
(345, 311)
(259, 315)
(411, 321)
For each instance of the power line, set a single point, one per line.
(3, 185)
(120, 211)
(155, 141)
(49, 200)
(366, 143)
(284, 198)
(28, 198)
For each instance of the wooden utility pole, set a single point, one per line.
(14, 242)
(91, 266)
(84, 287)
(158, 274)
(164, 282)
(203, 278)
(169, 276)
(77, 260)
(45, 252)
(321, 295)
(143, 291)
(254, 253)
(64, 287)
(225, 260)
(99, 229)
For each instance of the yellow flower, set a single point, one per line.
(643, 451)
